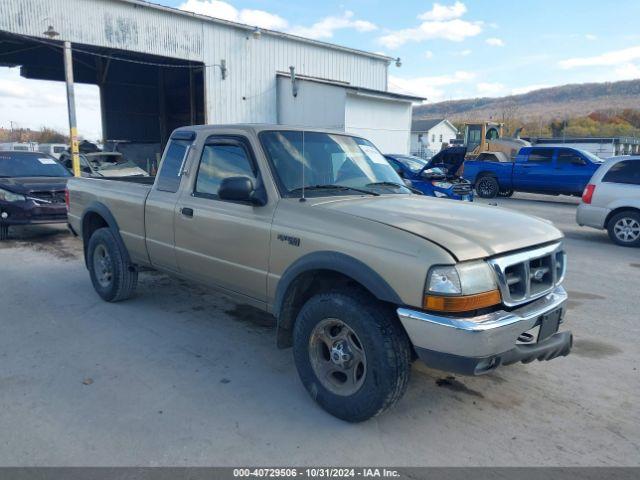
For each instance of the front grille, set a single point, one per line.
(528, 275)
(462, 188)
(47, 197)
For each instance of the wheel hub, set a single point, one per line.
(627, 229)
(340, 354)
(337, 357)
(102, 266)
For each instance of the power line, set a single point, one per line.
(55, 44)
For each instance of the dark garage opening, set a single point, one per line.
(143, 98)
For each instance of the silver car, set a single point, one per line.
(611, 200)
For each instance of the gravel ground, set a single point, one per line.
(181, 375)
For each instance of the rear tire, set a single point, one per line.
(352, 354)
(487, 187)
(624, 229)
(4, 231)
(113, 278)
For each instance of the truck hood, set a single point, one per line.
(26, 185)
(450, 159)
(466, 230)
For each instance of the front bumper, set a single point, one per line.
(477, 345)
(30, 212)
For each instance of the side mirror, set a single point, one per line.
(239, 189)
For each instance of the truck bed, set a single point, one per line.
(124, 197)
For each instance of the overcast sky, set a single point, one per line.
(449, 49)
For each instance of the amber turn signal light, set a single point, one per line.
(462, 303)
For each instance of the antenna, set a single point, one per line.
(302, 199)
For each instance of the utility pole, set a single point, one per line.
(71, 105)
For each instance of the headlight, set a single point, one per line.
(11, 197)
(460, 288)
(441, 184)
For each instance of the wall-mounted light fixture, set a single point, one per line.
(256, 32)
(398, 62)
(51, 32)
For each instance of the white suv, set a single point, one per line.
(611, 200)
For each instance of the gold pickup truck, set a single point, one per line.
(362, 274)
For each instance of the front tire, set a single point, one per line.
(624, 229)
(487, 187)
(113, 278)
(352, 354)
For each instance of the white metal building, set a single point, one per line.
(159, 68)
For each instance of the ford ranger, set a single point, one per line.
(316, 227)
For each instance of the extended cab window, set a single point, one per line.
(169, 175)
(627, 171)
(567, 157)
(539, 155)
(220, 161)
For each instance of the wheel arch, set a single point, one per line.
(317, 272)
(618, 210)
(97, 215)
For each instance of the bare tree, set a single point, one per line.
(509, 116)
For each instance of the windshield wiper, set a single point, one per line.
(331, 186)
(394, 184)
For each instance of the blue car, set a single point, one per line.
(436, 177)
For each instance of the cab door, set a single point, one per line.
(572, 171)
(160, 208)
(219, 241)
(533, 173)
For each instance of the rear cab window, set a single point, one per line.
(175, 155)
(540, 155)
(626, 171)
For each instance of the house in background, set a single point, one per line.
(428, 135)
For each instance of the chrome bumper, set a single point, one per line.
(480, 337)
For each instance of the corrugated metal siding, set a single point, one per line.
(249, 92)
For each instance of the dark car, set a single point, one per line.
(436, 177)
(32, 190)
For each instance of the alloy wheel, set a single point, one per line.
(337, 357)
(627, 229)
(103, 266)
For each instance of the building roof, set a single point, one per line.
(333, 46)
(425, 124)
(353, 88)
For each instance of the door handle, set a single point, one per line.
(187, 212)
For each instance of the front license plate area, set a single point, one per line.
(549, 324)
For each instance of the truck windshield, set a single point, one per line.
(317, 159)
(415, 164)
(591, 156)
(29, 164)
